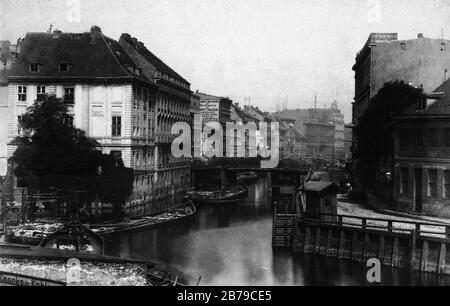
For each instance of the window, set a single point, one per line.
(22, 94)
(432, 183)
(443, 47)
(403, 46)
(422, 104)
(20, 130)
(433, 137)
(65, 67)
(403, 138)
(419, 137)
(447, 184)
(69, 95)
(446, 137)
(116, 126)
(404, 173)
(34, 67)
(40, 93)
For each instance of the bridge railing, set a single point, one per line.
(438, 230)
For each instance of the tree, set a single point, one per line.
(51, 146)
(373, 133)
(53, 154)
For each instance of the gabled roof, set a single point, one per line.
(441, 107)
(152, 58)
(318, 186)
(91, 55)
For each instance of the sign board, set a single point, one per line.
(13, 279)
(209, 111)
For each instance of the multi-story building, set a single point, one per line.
(320, 139)
(172, 104)
(8, 54)
(348, 139)
(109, 95)
(215, 109)
(422, 61)
(195, 110)
(339, 137)
(292, 143)
(327, 116)
(421, 174)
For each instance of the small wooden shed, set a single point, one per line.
(320, 198)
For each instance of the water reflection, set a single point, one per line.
(231, 245)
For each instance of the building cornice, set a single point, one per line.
(62, 79)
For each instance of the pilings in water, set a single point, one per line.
(416, 246)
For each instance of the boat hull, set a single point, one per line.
(231, 199)
(247, 177)
(151, 224)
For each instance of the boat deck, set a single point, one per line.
(24, 251)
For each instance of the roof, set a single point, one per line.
(152, 58)
(204, 96)
(441, 107)
(318, 186)
(91, 54)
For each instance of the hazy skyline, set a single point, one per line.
(270, 50)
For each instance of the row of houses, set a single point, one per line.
(415, 177)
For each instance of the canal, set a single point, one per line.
(232, 246)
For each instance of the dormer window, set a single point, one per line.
(34, 67)
(403, 46)
(65, 67)
(422, 105)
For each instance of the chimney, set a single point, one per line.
(420, 35)
(134, 41)
(56, 33)
(125, 36)
(95, 34)
(141, 45)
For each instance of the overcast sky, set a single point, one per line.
(271, 50)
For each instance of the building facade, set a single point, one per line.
(215, 109)
(292, 143)
(320, 140)
(422, 61)
(421, 176)
(8, 55)
(308, 121)
(195, 111)
(108, 94)
(172, 104)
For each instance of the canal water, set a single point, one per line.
(232, 246)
